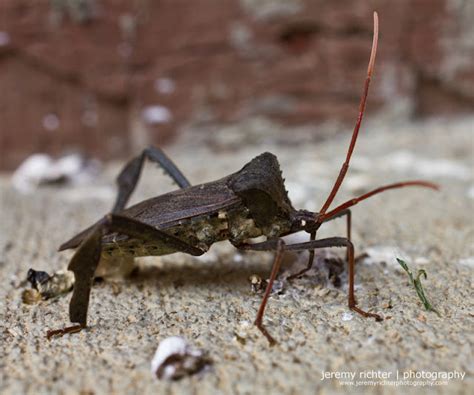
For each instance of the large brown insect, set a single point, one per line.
(250, 203)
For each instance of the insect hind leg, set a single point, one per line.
(130, 174)
(86, 259)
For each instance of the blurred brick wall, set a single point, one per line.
(109, 76)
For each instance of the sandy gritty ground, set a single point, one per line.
(209, 300)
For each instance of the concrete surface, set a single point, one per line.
(209, 300)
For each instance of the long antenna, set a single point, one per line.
(355, 133)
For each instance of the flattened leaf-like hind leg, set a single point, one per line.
(83, 264)
(87, 257)
(127, 181)
(280, 247)
(130, 174)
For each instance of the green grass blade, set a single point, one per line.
(418, 287)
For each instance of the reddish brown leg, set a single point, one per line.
(64, 331)
(275, 269)
(351, 295)
(338, 242)
(279, 245)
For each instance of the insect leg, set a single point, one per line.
(87, 257)
(348, 215)
(272, 245)
(310, 261)
(128, 177)
(338, 242)
(279, 246)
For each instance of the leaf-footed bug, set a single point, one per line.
(247, 204)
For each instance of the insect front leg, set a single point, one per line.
(338, 242)
(308, 267)
(87, 256)
(280, 247)
(130, 174)
(310, 260)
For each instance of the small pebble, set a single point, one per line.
(257, 283)
(421, 317)
(30, 296)
(59, 283)
(45, 286)
(347, 316)
(242, 331)
(175, 358)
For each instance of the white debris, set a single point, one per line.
(157, 114)
(49, 287)
(45, 286)
(175, 358)
(347, 316)
(165, 86)
(30, 172)
(469, 262)
(243, 330)
(41, 169)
